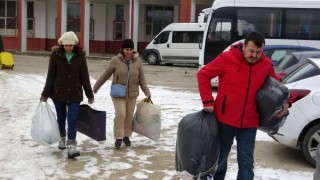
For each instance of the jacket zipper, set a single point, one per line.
(247, 94)
(224, 104)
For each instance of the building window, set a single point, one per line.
(73, 19)
(157, 18)
(8, 18)
(30, 19)
(119, 23)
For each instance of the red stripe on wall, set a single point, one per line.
(59, 18)
(185, 11)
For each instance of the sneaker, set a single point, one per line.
(127, 141)
(72, 151)
(62, 143)
(118, 143)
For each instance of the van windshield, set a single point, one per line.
(163, 37)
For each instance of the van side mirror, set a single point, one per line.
(155, 41)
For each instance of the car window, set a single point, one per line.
(305, 71)
(287, 61)
(278, 54)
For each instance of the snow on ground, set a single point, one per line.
(23, 158)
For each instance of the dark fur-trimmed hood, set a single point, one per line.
(76, 49)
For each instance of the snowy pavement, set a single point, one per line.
(23, 158)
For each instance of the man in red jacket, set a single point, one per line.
(242, 71)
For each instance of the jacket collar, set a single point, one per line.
(59, 50)
(237, 50)
(135, 56)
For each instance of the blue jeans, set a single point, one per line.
(71, 110)
(245, 149)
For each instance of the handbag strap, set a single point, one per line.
(129, 68)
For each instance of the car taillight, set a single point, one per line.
(297, 94)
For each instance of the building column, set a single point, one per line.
(185, 11)
(61, 18)
(85, 25)
(193, 11)
(22, 24)
(135, 23)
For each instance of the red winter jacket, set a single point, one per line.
(235, 104)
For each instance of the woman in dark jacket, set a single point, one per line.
(67, 75)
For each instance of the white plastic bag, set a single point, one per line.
(147, 119)
(44, 127)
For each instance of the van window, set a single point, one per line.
(266, 21)
(187, 36)
(221, 30)
(302, 24)
(163, 37)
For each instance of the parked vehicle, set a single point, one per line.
(280, 21)
(292, 61)
(176, 43)
(301, 129)
(277, 52)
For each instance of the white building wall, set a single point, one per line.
(176, 13)
(136, 23)
(100, 18)
(126, 17)
(51, 16)
(110, 16)
(142, 22)
(40, 19)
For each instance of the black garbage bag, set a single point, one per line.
(270, 100)
(197, 146)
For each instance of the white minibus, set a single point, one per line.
(282, 22)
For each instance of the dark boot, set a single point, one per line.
(127, 141)
(72, 152)
(118, 143)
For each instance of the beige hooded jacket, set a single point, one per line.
(119, 69)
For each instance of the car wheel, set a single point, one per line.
(152, 59)
(309, 144)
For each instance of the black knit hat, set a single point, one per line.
(127, 43)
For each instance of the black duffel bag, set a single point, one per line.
(197, 146)
(270, 100)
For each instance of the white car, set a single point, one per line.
(301, 129)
